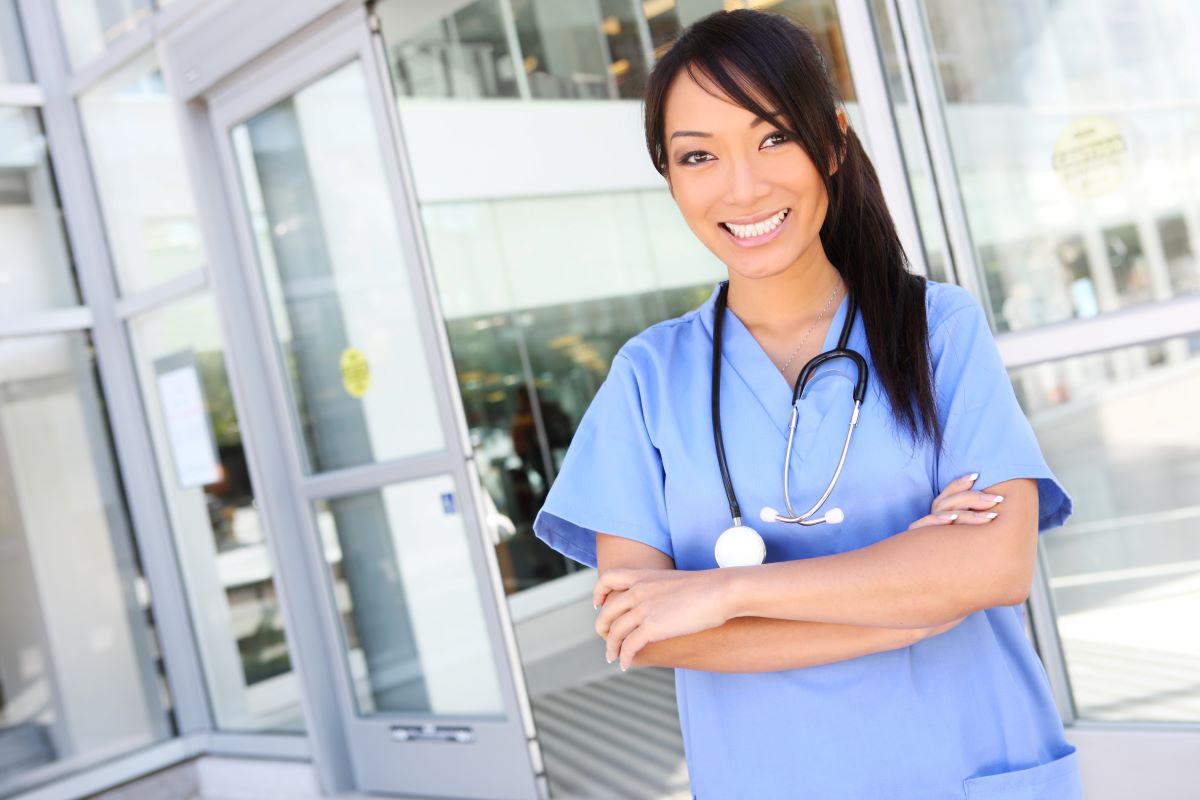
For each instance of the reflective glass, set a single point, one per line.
(532, 340)
(1121, 432)
(89, 26)
(141, 176)
(408, 599)
(35, 271)
(562, 49)
(912, 143)
(80, 677)
(215, 521)
(14, 65)
(1073, 126)
(436, 52)
(344, 312)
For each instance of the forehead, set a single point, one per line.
(698, 103)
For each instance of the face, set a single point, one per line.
(745, 170)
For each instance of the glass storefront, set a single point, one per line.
(1119, 428)
(1073, 127)
(217, 528)
(141, 175)
(80, 675)
(1062, 185)
(35, 271)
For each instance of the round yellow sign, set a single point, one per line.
(356, 373)
(1091, 156)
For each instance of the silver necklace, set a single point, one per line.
(783, 369)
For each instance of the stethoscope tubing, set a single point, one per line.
(860, 388)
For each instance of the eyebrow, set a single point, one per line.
(704, 135)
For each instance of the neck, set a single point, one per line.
(779, 304)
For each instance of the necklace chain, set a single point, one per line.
(836, 286)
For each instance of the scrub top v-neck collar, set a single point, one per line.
(743, 355)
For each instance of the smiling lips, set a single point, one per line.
(758, 232)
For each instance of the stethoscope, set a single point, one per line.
(740, 545)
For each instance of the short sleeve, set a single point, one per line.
(611, 479)
(984, 427)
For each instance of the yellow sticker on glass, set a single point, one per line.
(1091, 156)
(356, 373)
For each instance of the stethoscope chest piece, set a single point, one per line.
(740, 546)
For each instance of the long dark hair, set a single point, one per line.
(746, 52)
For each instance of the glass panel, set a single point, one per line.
(89, 26)
(1121, 432)
(1072, 126)
(563, 50)
(435, 53)
(407, 596)
(218, 532)
(80, 678)
(528, 369)
(141, 176)
(626, 48)
(14, 66)
(344, 312)
(35, 271)
(912, 143)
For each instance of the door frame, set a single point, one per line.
(254, 79)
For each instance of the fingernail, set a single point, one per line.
(999, 498)
(970, 478)
(594, 605)
(609, 660)
(990, 515)
(622, 669)
(951, 517)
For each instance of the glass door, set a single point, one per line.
(374, 458)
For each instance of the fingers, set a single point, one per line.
(957, 485)
(614, 642)
(616, 605)
(976, 501)
(957, 517)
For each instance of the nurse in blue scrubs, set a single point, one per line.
(882, 656)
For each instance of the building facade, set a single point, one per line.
(300, 304)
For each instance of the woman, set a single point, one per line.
(882, 657)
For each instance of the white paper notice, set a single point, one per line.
(191, 439)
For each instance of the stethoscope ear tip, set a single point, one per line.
(834, 515)
(768, 514)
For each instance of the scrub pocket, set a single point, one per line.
(1054, 780)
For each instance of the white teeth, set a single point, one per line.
(758, 228)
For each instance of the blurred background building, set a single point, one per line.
(300, 304)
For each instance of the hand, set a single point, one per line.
(969, 507)
(647, 605)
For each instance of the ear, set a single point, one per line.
(841, 156)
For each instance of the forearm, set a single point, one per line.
(917, 578)
(758, 644)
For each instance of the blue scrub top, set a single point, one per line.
(966, 714)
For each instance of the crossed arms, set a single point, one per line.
(785, 615)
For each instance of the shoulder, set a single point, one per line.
(944, 301)
(955, 319)
(664, 343)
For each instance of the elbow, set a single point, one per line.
(1018, 583)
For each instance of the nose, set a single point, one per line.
(747, 184)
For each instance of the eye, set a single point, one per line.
(780, 134)
(684, 159)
